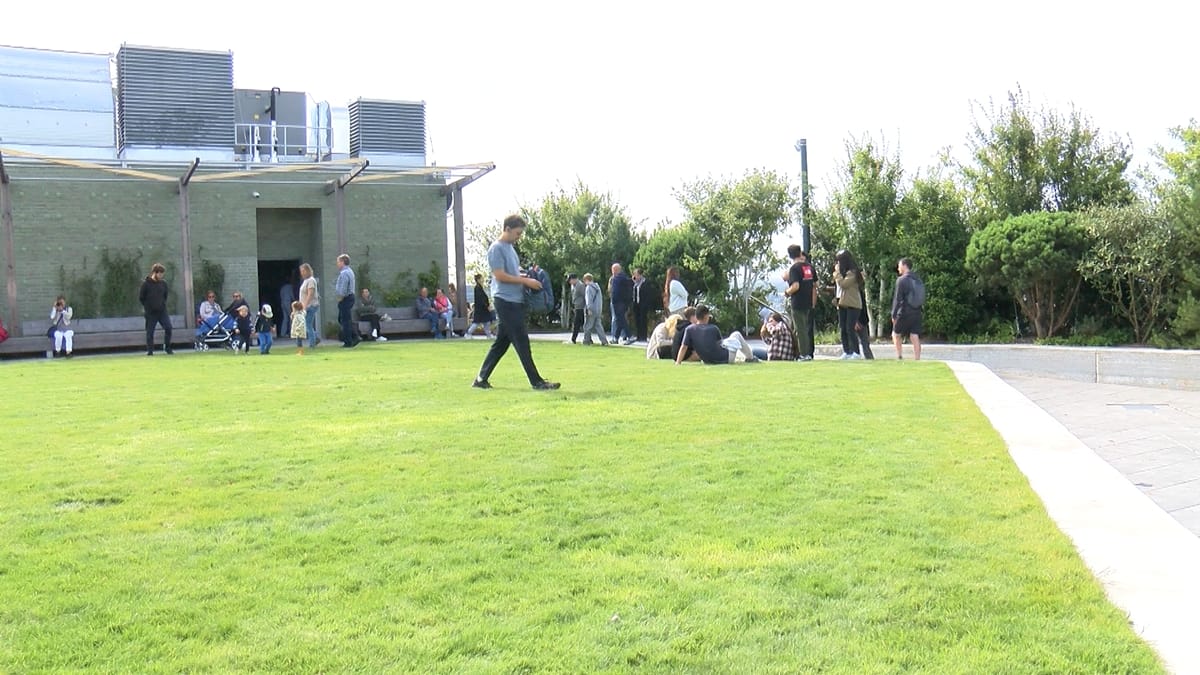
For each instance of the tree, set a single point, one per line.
(682, 246)
(1025, 160)
(1130, 263)
(737, 222)
(1036, 256)
(580, 231)
(932, 231)
(865, 209)
(1180, 204)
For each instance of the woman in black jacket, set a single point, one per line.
(481, 311)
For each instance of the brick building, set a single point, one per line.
(98, 184)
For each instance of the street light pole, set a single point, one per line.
(805, 232)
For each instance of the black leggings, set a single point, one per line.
(846, 318)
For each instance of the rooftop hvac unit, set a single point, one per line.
(174, 104)
(254, 117)
(390, 133)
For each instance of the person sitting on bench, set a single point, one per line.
(367, 311)
(425, 310)
(60, 327)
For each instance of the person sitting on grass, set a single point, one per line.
(367, 311)
(667, 336)
(781, 345)
(704, 338)
(689, 313)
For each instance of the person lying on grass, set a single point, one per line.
(705, 339)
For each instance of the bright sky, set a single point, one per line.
(637, 97)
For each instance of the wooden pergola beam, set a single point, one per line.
(10, 267)
(185, 242)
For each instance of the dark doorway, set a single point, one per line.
(273, 275)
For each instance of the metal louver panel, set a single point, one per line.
(55, 102)
(174, 98)
(388, 130)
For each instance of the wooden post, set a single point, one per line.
(339, 210)
(10, 267)
(460, 252)
(337, 188)
(185, 242)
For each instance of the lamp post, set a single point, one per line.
(805, 233)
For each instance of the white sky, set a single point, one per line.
(637, 97)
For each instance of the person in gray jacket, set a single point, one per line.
(578, 301)
(593, 301)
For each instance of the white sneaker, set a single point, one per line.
(381, 339)
(846, 356)
(374, 333)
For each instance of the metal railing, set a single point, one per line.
(281, 143)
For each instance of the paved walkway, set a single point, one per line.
(1150, 435)
(1144, 558)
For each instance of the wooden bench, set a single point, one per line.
(404, 321)
(94, 334)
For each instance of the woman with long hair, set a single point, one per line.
(849, 280)
(675, 296)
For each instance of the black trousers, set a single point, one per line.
(159, 318)
(373, 319)
(864, 341)
(576, 323)
(846, 318)
(640, 312)
(512, 331)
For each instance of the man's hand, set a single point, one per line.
(532, 283)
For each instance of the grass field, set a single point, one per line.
(367, 510)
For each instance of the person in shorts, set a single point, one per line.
(906, 319)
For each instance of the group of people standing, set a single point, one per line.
(626, 294)
(850, 298)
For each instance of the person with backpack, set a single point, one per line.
(907, 303)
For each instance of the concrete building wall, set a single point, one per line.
(65, 221)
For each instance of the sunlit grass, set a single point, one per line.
(367, 510)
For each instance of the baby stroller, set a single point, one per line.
(216, 331)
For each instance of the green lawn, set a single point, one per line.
(367, 510)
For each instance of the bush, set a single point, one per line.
(995, 331)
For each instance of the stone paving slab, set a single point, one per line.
(1150, 435)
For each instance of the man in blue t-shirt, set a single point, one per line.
(508, 296)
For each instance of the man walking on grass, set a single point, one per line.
(508, 296)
